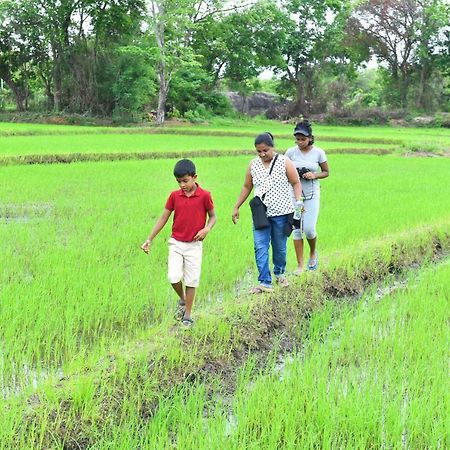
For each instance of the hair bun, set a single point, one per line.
(264, 138)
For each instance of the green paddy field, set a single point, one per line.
(353, 356)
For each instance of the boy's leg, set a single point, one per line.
(190, 296)
(191, 273)
(279, 242)
(178, 288)
(175, 267)
(261, 240)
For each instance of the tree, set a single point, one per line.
(312, 34)
(403, 34)
(435, 16)
(74, 31)
(21, 48)
(237, 46)
(173, 23)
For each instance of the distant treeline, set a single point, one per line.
(159, 58)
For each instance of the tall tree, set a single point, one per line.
(21, 47)
(403, 34)
(434, 18)
(312, 34)
(238, 45)
(173, 23)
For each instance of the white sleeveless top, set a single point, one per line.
(277, 188)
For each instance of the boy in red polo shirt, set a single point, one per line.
(190, 205)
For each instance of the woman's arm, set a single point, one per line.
(294, 179)
(323, 174)
(245, 192)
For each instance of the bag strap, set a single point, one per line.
(270, 171)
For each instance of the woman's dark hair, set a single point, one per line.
(184, 167)
(264, 138)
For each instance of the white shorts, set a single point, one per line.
(185, 261)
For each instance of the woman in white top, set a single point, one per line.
(274, 178)
(307, 159)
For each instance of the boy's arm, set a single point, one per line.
(159, 225)
(204, 231)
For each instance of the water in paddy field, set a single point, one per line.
(24, 213)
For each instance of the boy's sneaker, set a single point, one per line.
(282, 281)
(187, 322)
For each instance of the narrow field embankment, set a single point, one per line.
(128, 156)
(181, 132)
(76, 410)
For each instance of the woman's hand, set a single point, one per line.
(309, 176)
(235, 215)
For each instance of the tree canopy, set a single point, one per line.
(177, 57)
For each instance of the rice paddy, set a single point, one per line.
(86, 316)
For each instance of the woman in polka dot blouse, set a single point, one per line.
(274, 178)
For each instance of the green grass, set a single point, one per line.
(78, 296)
(13, 129)
(436, 137)
(70, 238)
(374, 377)
(123, 143)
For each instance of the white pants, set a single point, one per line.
(308, 221)
(185, 261)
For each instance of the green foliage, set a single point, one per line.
(88, 57)
(134, 79)
(193, 95)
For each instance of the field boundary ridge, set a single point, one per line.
(167, 356)
(70, 158)
(188, 132)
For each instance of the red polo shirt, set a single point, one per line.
(190, 213)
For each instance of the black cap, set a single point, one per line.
(302, 128)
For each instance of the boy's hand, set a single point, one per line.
(235, 215)
(146, 246)
(201, 234)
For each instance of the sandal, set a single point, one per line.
(282, 281)
(298, 271)
(313, 263)
(179, 312)
(187, 322)
(261, 289)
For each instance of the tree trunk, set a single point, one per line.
(422, 100)
(57, 85)
(404, 88)
(49, 94)
(299, 106)
(162, 95)
(21, 93)
(20, 97)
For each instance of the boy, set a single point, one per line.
(190, 205)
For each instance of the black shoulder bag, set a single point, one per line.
(259, 209)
